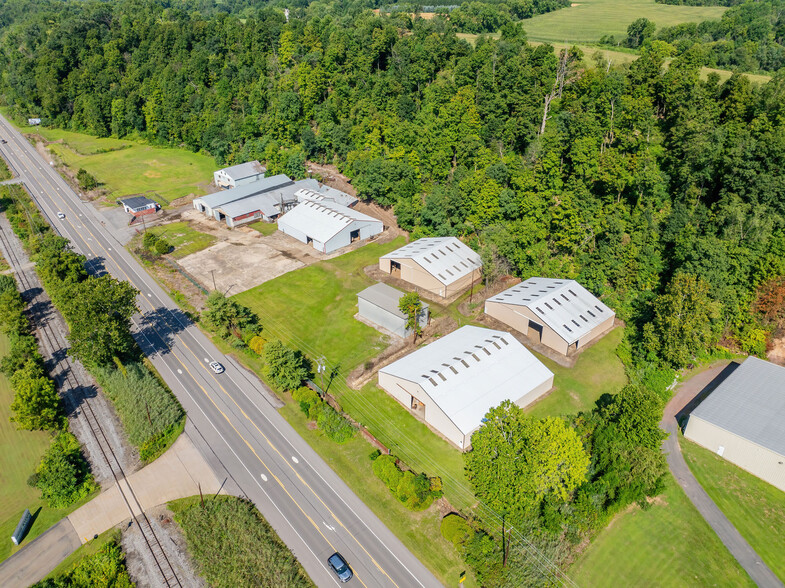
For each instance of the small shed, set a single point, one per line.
(238, 175)
(138, 205)
(33, 121)
(378, 304)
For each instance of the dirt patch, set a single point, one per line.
(776, 350)
(139, 561)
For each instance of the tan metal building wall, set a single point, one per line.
(518, 317)
(414, 273)
(759, 461)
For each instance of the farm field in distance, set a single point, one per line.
(756, 508)
(588, 20)
(667, 545)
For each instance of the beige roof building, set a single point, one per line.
(452, 383)
(442, 266)
(560, 314)
(743, 420)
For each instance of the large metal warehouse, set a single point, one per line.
(328, 226)
(212, 202)
(743, 420)
(442, 266)
(267, 206)
(378, 304)
(238, 175)
(453, 382)
(560, 314)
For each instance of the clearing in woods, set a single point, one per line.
(587, 21)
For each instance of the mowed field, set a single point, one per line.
(755, 508)
(20, 452)
(183, 238)
(127, 167)
(668, 545)
(588, 20)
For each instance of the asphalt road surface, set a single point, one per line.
(238, 429)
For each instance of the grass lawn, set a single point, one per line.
(128, 167)
(588, 20)
(5, 173)
(597, 371)
(756, 509)
(183, 238)
(20, 452)
(419, 531)
(264, 228)
(668, 545)
(313, 308)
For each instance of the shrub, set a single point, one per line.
(162, 246)
(455, 529)
(36, 405)
(334, 425)
(63, 475)
(308, 400)
(414, 491)
(149, 240)
(147, 410)
(257, 344)
(387, 471)
(86, 180)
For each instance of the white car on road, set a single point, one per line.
(61, 215)
(216, 367)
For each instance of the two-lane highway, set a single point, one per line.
(232, 416)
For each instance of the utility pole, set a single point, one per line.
(212, 273)
(320, 369)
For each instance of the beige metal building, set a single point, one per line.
(560, 314)
(442, 266)
(743, 420)
(452, 383)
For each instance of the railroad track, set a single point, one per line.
(48, 338)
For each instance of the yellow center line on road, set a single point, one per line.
(228, 395)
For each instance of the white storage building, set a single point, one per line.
(560, 314)
(328, 226)
(212, 202)
(442, 266)
(237, 175)
(453, 382)
(743, 420)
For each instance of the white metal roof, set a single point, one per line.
(224, 197)
(269, 203)
(750, 403)
(385, 297)
(564, 305)
(242, 170)
(323, 193)
(321, 221)
(446, 258)
(471, 370)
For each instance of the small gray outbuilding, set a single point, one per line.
(743, 420)
(238, 175)
(378, 304)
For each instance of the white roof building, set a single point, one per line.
(211, 203)
(440, 265)
(325, 193)
(237, 175)
(327, 225)
(561, 314)
(453, 382)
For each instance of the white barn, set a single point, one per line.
(237, 175)
(328, 226)
(453, 382)
(743, 420)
